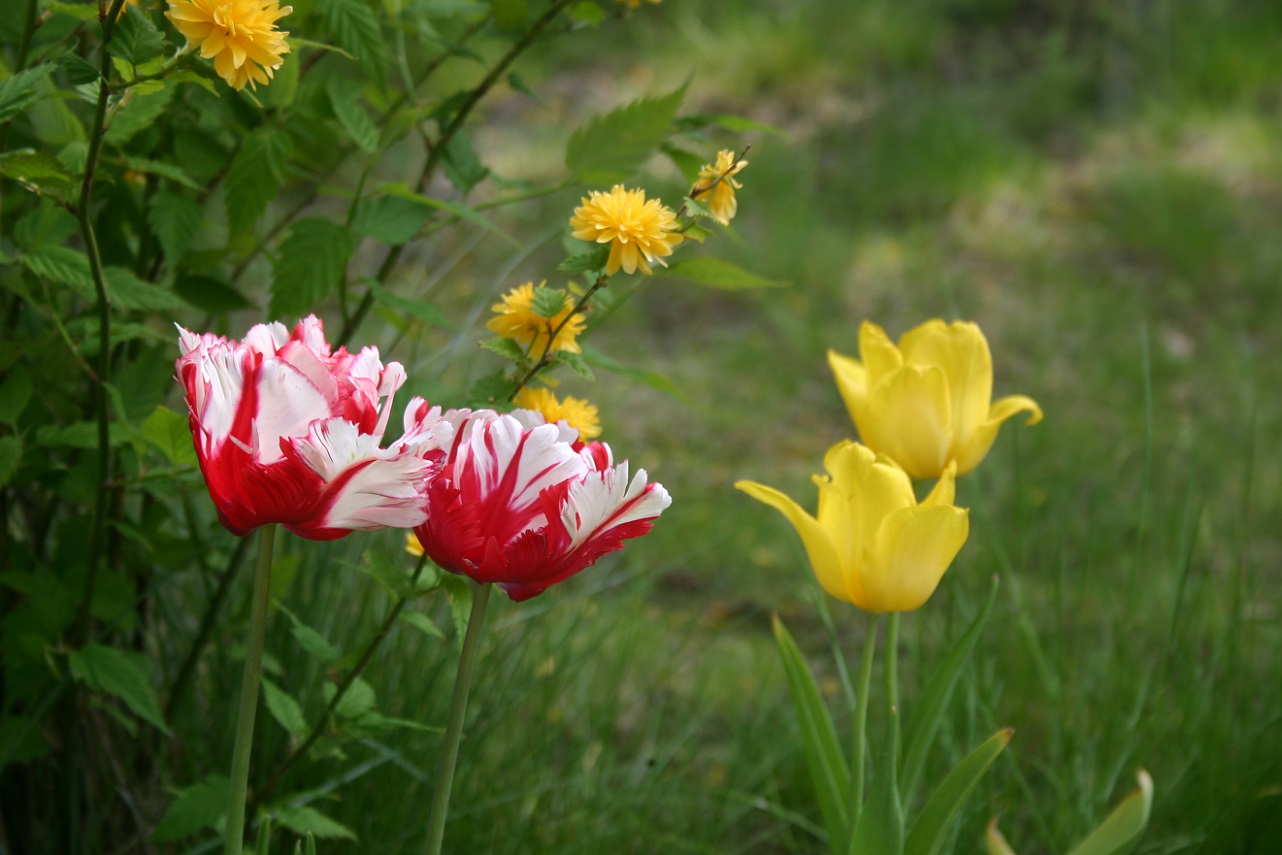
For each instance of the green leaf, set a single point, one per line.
(308, 820)
(1123, 827)
(576, 363)
(588, 13)
(255, 177)
(420, 309)
(10, 458)
(932, 824)
(458, 209)
(510, 14)
(129, 292)
(930, 711)
(392, 220)
(78, 70)
(164, 170)
(491, 391)
(38, 167)
(357, 700)
(209, 294)
(15, 394)
(880, 827)
(391, 574)
(63, 265)
(83, 435)
(198, 807)
(505, 348)
(994, 842)
(135, 38)
(79, 11)
(21, 89)
(461, 165)
(829, 773)
(547, 302)
(121, 674)
(592, 261)
(175, 220)
(611, 147)
(170, 433)
(345, 95)
(284, 709)
(263, 842)
(311, 263)
(138, 113)
(354, 26)
(652, 379)
(422, 623)
(311, 641)
(20, 740)
(716, 273)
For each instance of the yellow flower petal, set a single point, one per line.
(961, 350)
(640, 231)
(824, 558)
(911, 420)
(913, 550)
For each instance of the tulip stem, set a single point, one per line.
(861, 722)
(892, 679)
(454, 727)
(234, 837)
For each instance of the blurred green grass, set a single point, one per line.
(1099, 187)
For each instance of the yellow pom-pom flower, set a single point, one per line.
(639, 231)
(722, 202)
(926, 403)
(515, 318)
(240, 36)
(871, 543)
(575, 412)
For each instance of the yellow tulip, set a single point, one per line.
(928, 402)
(872, 544)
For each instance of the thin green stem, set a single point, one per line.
(546, 358)
(892, 687)
(235, 835)
(454, 727)
(860, 748)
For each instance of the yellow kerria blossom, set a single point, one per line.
(927, 403)
(722, 203)
(871, 543)
(412, 546)
(576, 412)
(240, 36)
(638, 231)
(516, 319)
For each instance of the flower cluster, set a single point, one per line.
(240, 36)
(923, 410)
(288, 430)
(718, 180)
(518, 317)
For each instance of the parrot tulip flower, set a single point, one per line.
(928, 402)
(288, 431)
(872, 544)
(521, 503)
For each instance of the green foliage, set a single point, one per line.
(611, 147)
(353, 25)
(311, 265)
(193, 809)
(121, 674)
(255, 176)
(135, 38)
(932, 825)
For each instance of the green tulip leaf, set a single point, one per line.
(932, 824)
(994, 842)
(828, 770)
(926, 720)
(1124, 825)
(262, 844)
(880, 828)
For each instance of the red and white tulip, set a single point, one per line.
(288, 431)
(521, 503)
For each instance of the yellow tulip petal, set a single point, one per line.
(913, 550)
(913, 420)
(824, 558)
(878, 352)
(945, 489)
(852, 383)
(970, 455)
(961, 351)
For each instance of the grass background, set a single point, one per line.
(1099, 186)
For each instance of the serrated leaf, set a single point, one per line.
(388, 572)
(716, 273)
(354, 26)
(79, 11)
(78, 70)
(210, 294)
(510, 14)
(10, 458)
(121, 674)
(506, 348)
(164, 170)
(591, 261)
(829, 773)
(392, 220)
(356, 701)
(933, 823)
(345, 98)
(461, 165)
(422, 623)
(135, 38)
(175, 220)
(576, 363)
(129, 292)
(1123, 827)
(547, 302)
(420, 309)
(37, 166)
(307, 820)
(137, 113)
(63, 265)
(284, 709)
(611, 147)
(170, 433)
(311, 263)
(456, 208)
(22, 89)
(311, 641)
(255, 177)
(491, 391)
(195, 808)
(15, 394)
